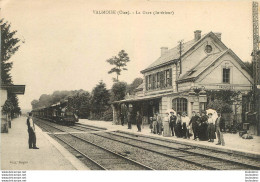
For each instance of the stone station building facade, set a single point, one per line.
(180, 81)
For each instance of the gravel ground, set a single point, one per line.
(222, 155)
(46, 127)
(205, 161)
(91, 165)
(108, 160)
(151, 159)
(191, 157)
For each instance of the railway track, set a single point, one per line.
(101, 157)
(74, 128)
(61, 128)
(184, 153)
(187, 154)
(254, 158)
(82, 128)
(90, 126)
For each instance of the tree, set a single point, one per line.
(16, 109)
(119, 63)
(34, 104)
(100, 99)
(9, 45)
(84, 109)
(7, 107)
(118, 91)
(45, 100)
(81, 103)
(134, 85)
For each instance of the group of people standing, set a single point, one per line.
(127, 118)
(202, 127)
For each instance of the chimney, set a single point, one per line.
(163, 50)
(218, 34)
(197, 35)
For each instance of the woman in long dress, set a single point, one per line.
(178, 126)
(203, 135)
(166, 126)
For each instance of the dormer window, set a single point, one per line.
(226, 75)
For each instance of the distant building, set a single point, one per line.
(6, 90)
(206, 64)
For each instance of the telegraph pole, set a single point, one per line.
(256, 65)
(180, 48)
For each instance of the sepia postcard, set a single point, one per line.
(120, 85)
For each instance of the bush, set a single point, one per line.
(108, 114)
(220, 106)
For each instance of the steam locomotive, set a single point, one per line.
(60, 113)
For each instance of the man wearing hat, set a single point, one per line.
(194, 122)
(220, 122)
(173, 119)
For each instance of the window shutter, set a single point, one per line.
(152, 78)
(146, 82)
(161, 79)
(154, 81)
(158, 80)
(170, 77)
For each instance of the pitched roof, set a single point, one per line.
(201, 66)
(140, 87)
(173, 54)
(210, 59)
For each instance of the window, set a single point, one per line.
(208, 49)
(158, 80)
(167, 77)
(149, 82)
(180, 105)
(226, 75)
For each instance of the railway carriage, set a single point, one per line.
(59, 113)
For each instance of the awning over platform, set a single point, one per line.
(15, 89)
(148, 97)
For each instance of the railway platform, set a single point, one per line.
(233, 142)
(15, 154)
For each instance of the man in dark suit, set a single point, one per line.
(173, 119)
(129, 118)
(220, 122)
(31, 131)
(195, 119)
(138, 121)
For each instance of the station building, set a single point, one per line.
(5, 91)
(181, 79)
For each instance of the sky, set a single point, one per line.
(67, 44)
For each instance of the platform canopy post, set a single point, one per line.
(116, 114)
